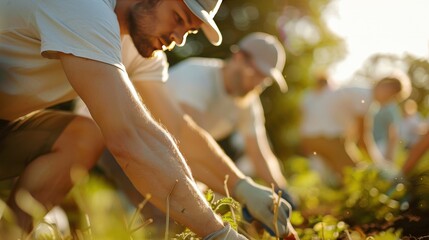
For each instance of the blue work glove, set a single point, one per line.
(285, 195)
(259, 205)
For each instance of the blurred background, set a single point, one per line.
(354, 40)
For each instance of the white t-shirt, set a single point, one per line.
(138, 68)
(314, 107)
(31, 35)
(198, 82)
(331, 112)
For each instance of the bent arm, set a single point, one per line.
(263, 159)
(366, 139)
(415, 154)
(144, 150)
(207, 160)
(392, 142)
(361, 131)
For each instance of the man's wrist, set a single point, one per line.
(233, 178)
(239, 187)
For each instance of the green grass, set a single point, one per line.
(366, 207)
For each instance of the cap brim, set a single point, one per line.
(279, 78)
(274, 73)
(209, 26)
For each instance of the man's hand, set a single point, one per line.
(260, 203)
(226, 233)
(286, 196)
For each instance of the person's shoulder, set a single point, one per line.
(111, 3)
(96, 7)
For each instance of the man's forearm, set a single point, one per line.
(392, 143)
(390, 151)
(153, 164)
(144, 150)
(203, 153)
(269, 170)
(264, 161)
(415, 154)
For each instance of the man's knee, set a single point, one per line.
(81, 138)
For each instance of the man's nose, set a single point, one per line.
(179, 37)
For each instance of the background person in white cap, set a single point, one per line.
(54, 50)
(222, 96)
(207, 161)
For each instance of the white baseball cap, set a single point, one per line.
(206, 10)
(269, 55)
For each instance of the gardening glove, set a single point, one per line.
(258, 202)
(226, 233)
(286, 196)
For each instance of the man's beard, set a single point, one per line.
(141, 23)
(237, 88)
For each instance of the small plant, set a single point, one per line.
(224, 207)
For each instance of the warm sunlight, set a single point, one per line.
(385, 26)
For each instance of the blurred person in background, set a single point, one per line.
(222, 96)
(415, 155)
(315, 127)
(386, 113)
(415, 137)
(412, 126)
(355, 118)
(206, 82)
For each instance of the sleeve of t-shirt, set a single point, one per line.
(252, 118)
(143, 69)
(87, 29)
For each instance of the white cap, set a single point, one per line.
(206, 10)
(268, 54)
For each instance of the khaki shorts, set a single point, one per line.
(25, 139)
